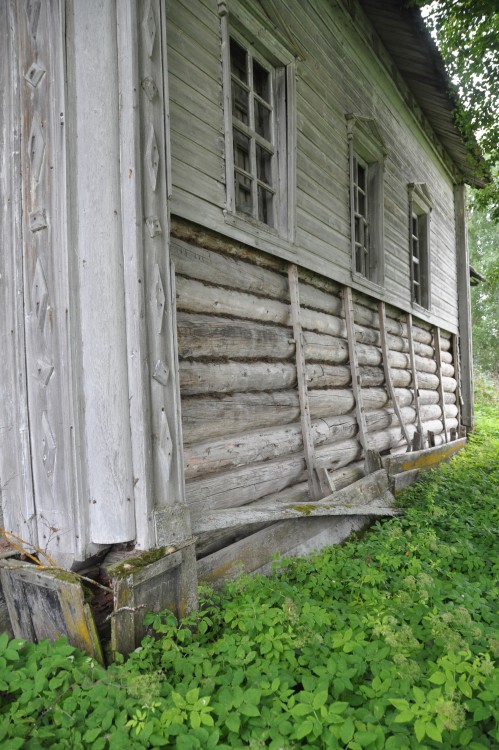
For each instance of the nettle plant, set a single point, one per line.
(386, 642)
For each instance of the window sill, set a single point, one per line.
(255, 228)
(421, 311)
(372, 286)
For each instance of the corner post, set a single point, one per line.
(464, 307)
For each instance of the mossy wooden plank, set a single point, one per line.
(426, 459)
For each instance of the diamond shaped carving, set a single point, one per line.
(158, 298)
(39, 295)
(49, 448)
(153, 225)
(152, 157)
(37, 220)
(35, 74)
(165, 446)
(33, 15)
(161, 372)
(36, 148)
(43, 371)
(149, 28)
(150, 88)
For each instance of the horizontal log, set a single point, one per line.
(227, 270)
(220, 338)
(368, 496)
(425, 459)
(204, 418)
(227, 377)
(229, 452)
(244, 485)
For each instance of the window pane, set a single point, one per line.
(238, 61)
(361, 201)
(265, 206)
(242, 188)
(261, 81)
(241, 150)
(240, 103)
(361, 177)
(264, 165)
(262, 120)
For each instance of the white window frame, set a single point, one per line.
(238, 22)
(366, 148)
(420, 207)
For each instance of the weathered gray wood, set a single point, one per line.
(16, 485)
(207, 336)
(405, 479)
(213, 377)
(388, 375)
(438, 356)
(48, 604)
(354, 368)
(457, 361)
(368, 496)
(425, 459)
(308, 442)
(415, 376)
(142, 584)
(464, 306)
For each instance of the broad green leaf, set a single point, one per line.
(320, 699)
(419, 729)
(233, 722)
(437, 678)
(404, 716)
(304, 729)
(347, 730)
(248, 709)
(433, 732)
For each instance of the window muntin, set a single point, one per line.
(366, 158)
(419, 244)
(253, 134)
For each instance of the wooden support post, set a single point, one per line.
(464, 307)
(354, 368)
(388, 375)
(457, 375)
(301, 374)
(419, 442)
(441, 394)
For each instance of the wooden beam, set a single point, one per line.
(368, 496)
(388, 374)
(441, 394)
(464, 306)
(457, 375)
(415, 385)
(354, 367)
(426, 459)
(301, 375)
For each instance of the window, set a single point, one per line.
(419, 243)
(259, 132)
(366, 159)
(253, 136)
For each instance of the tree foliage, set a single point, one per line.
(467, 34)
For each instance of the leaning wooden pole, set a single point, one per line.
(354, 368)
(441, 394)
(301, 375)
(414, 373)
(388, 374)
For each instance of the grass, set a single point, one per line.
(387, 642)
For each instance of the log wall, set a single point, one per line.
(240, 401)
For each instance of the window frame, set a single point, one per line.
(366, 147)
(260, 44)
(420, 208)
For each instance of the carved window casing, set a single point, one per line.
(420, 207)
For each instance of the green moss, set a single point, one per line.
(137, 562)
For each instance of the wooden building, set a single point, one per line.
(233, 265)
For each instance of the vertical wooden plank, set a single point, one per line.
(464, 307)
(457, 375)
(16, 487)
(441, 394)
(414, 373)
(354, 367)
(388, 374)
(229, 157)
(301, 374)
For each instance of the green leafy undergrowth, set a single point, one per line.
(385, 642)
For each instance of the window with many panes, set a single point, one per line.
(419, 243)
(366, 159)
(253, 134)
(258, 73)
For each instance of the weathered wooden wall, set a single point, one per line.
(342, 68)
(243, 441)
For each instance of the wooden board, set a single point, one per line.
(48, 604)
(425, 459)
